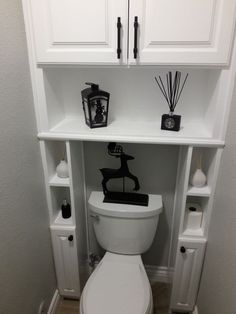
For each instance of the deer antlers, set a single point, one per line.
(114, 149)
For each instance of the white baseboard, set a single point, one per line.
(195, 310)
(54, 303)
(161, 274)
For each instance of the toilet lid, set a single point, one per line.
(116, 288)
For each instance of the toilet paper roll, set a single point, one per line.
(193, 216)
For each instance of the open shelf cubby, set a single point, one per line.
(206, 159)
(203, 203)
(58, 194)
(136, 106)
(55, 151)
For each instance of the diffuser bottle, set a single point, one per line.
(171, 92)
(170, 121)
(66, 209)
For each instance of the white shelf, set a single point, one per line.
(204, 191)
(60, 221)
(193, 233)
(131, 131)
(56, 181)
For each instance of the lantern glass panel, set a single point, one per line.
(98, 110)
(86, 111)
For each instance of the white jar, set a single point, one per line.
(62, 169)
(198, 179)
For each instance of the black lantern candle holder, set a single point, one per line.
(172, 92)
(95, 105)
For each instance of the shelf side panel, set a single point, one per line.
(180, 195)
(75, 155)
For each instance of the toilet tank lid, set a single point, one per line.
(123, 210)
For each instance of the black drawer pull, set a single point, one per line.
(119, 25)
(135, 37)
(182, 249)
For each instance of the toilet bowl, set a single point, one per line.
(119, 284)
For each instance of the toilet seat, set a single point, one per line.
(118, 285)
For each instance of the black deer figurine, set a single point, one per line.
(122, 172)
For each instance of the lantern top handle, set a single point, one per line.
(93, 86)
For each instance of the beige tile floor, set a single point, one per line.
(161, 297)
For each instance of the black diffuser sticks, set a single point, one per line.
(172, 92)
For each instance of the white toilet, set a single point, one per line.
(119, 284)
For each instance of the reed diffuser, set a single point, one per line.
(172, 92)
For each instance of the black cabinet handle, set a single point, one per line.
(119, 25)
(70, 238)
(182, 249)
(135, 50)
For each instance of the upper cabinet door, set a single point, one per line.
(182, 31)
(79, 31)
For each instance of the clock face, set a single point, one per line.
(169, 123)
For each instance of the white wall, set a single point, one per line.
(26, 266)
(218, 285)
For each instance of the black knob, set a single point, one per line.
(70, 238)
(182, 249)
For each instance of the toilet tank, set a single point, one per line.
(124, 229)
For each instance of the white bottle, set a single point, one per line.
(199, 179)
(62, 169)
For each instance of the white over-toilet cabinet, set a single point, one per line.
(168, 32)
(110, 42)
